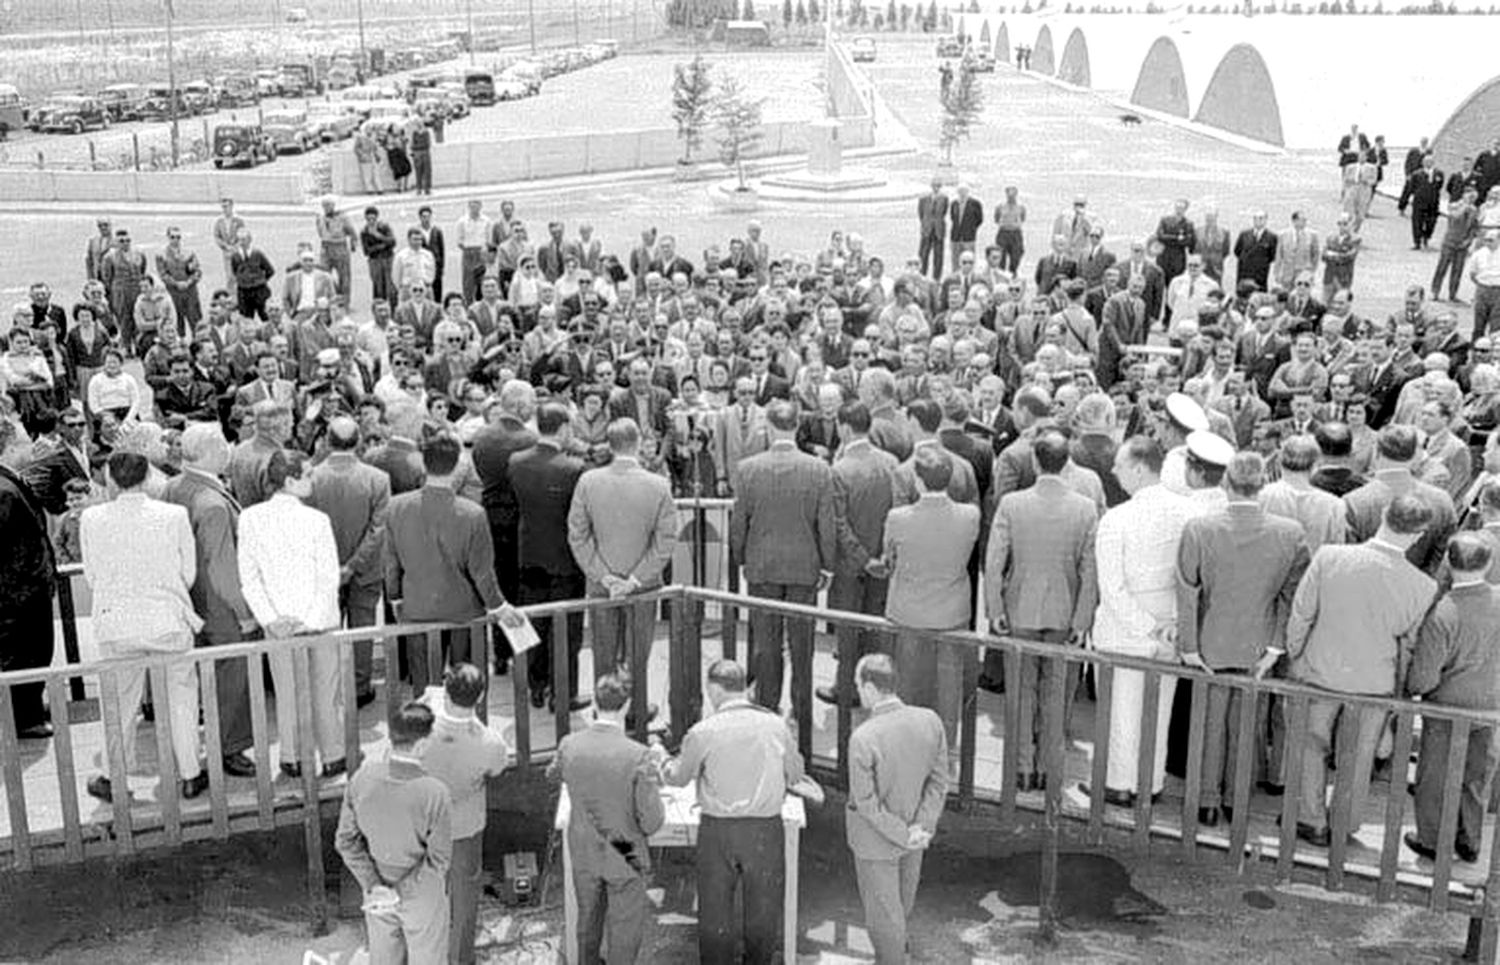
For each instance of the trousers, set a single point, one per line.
(324, 681)
(471, 273)
(612, 909)
(421, 162)
(1486, 310)
(1221, 740)
(457, 648)
(357, 605)
(1012, 245)
(1432, 764)
(182, 697)
(769, 632)
(746, 854)
(26, 642)
(1450, 263)
(1363, 726)
(416, 933)
(539, 586)
(465, 881)
(380, 279)
(936, 675)
(336, 260)
(232, 681)
(930, 250)
(1034, 709)
(615, 628)
(1127, 724)
(888, 890)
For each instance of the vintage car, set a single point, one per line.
(480, 86)
(237, 145)
(512, 90)
(239, 90)
(979, 61)
(123, 101)
(291, 130)
(158, 103)
(73, 114)
(335, 122)
(525, 72)
(455, 99)
(389, 111)
(13, 110)
(342, 74)
(863, 50)
(950, 47)
(201, 96)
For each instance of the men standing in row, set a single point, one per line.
(783, 529)
(493, 446)
(966, 214)
(615, 806)
(932, 215)
(898, 782)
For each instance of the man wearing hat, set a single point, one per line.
(1184, 416)
(338, 239)
(1075, 225)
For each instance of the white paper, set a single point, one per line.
(519, 631)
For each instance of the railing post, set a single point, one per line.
(67, 610)
(638, 625)
(1053, 712)
(15, 783)
(312, 824)
(562, 662)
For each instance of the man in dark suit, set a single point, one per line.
(1254, 251)
(493, 447)
(28, 573)
(551, 256)
(1040, 584)
(862, 497)
(784, 530)
(768, 385)
(1095, 260)
(965, 215)
(615, 806)
(1124, 323)
(1055, 266)
(356, 497)
(818, 431)
(439, 560)
(543, 478)
(49, 473)
(1424, 190)
(643, 402)
(215, 593)
(1262, 350)
(1387, 377)
(432, 240)
(1237, 570)
(1153, 281)
(398, 457)
(932, 216)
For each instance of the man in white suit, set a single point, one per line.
(140, 560)
(1297, 250)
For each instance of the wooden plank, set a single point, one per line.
(15, 782)
(521, 697)
(847, 641)
(114, 740)
(1017, 677)
(67, 772)
(1340, 812)
(640, 666)
(693, 665)
(479, 655)
(968, 724)
(394, 697)
(1243, 776)
(69, 614)
(312, 825)
(1296, 742)
(562, 694)
(1488, 938)
(213, 740)
(352, 752)
(1192, 792)
(676, 686)
(1104, 689)
(261, 734)
(1052, 752)
(1453, 779)
(1395, 809)
(1150, 699)
(169, 791)
(435, 665)
(730, 620)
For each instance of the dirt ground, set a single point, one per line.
(245, 901)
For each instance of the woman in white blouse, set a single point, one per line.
(114, 390)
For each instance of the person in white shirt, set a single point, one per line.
(1187, 293)
(112, 389)
(413, 265)
(289, 571)
(139, 560)
(472, 234)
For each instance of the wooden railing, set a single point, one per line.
(131, 829)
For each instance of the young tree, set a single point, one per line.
(905, 16)
(962, 103)
(749, 9)
(786, 14)
(738, 119)
(932, 16)
(801, 13)
(692, 98)
(814, 12)
(890, 14)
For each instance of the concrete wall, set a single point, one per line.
(205, 187)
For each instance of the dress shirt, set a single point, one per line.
(289, 563)
(472, 232)
(412, 265)
(1135, 548)
(743, 759)
(121, 391)
(463, 753)
(1484, 266)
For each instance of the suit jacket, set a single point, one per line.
(139, 561)
(1237, 570)
(1039, 568)
(215, 516)
(1155, 292)
(1093, 263)
(439, 560)
(966, 216)
(976, 453)
(291, 290)
(247, 396)
(889, 431)
(927, 546)
(898, 776)
(815, 430)
(775, 387)
(357, 498)
(862, 498)
(550, 257)
(1253, 256)
(543, 478)
(1051, 268)
(1366, 507)
(932, 213)
(622, 405)
(401, 462)
(783, 526)
(48, 475)
(737, 439)
(1261, 360)
(1423, 190)
(1096, 451)
(622, 522)
(493, 447)
(1295, 254)
(962, 487)
(1385, 390)
(615, 798)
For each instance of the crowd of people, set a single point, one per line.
(1112, 451)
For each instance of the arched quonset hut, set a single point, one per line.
(1041, 52)
(1241, 98)
(1074, 66)
(1002, 44)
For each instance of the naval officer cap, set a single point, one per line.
(1210, 448)
(1188, 415)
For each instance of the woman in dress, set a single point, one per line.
(397, 158)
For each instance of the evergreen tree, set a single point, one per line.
(932, 15)
(962, 103)
(786, 13)
(801, 13)
(890, 14)
(814, 12)
(749, 9)
(692, 98)
(905, 16)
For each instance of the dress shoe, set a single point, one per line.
(1208, 817)
(1227, 813)
(1317, 837)
(335, 768)
(502, 666)
(36, 732)
(365, 700)
(194, 786)
(1112, 797)
(1271, 788)
(538, 697)
(1415, 844)
(239, 765)
(992, 685)
(576, 703)
(291, 770)
(99, 787)
(1466, 853)
(829, 695)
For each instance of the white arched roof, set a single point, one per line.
(1328, 71)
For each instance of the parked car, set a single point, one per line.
(864, 50)
(13, 110)
(200, 96)
(512, 90)
(480, 86)
(335, 122)
(950, 47)
(388, 111)
(268, 83)
(527, 73)
(342, 74)
(158, 103)
(123, 101)
(238, 90)
(241, 145)
(291, 130)
(72, 114)
(455, 98)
